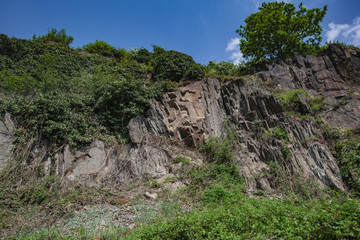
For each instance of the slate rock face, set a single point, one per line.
(334, 75)
(346, 62)
(7, 131)
(179, 123)
(183, 119)
(198, 111)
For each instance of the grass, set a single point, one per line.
(238, 216)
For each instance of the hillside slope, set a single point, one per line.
(75, 120)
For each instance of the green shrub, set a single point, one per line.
(55, 36)
(175, 66)
(104, 49)
(202, 178)
(317, 104)
(65, 96)
(251, 218)
(348, 157)
(56, 117)
(218, 150)
(280, 133)
(141, 55)
(290, 99)
(183, 160)
(222, 69)
(119, 100)
(215, 194)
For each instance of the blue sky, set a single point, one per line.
(204, 29)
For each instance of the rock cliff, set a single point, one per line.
(7, 129)
(178, 124)
(197, 111)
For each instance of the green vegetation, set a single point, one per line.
(175, 66)
(218, 150)
(246, 218)
(300, 101)
(348, 155)
(342, 44)
(279, 133)
(65, 96)
(249, 218)
(104, 49)
(222, 69)
(317, 104)
(183, 160)
(291, 99)
(278, 30)
(55, 36)
(346, 147)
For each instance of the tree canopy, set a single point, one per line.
(278, 30)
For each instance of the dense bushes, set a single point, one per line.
(250, 218)
(104, 49)
(221, 69)
(119, 100)
(63, 96)
(218, 150)
(141, 55)
(348, 156)
(55, 36)
(175, 66)
(346, 148)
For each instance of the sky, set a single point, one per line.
(204, 29)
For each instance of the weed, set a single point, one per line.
(218, 150)
(182, 159)
(131, 186)
(317, 104)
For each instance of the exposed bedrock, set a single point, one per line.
(178, 124)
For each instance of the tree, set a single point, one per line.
(278, 30)
(55, 36)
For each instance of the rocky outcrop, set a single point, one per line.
(179, 123)
(186, 115)
(184, 118)
(334, 75)
(198, 111)
(7, 131)
(346, 62)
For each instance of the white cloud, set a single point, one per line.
(349, 34)
(237, 57)
(233, 44)
(336, 30)
(233, 47)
